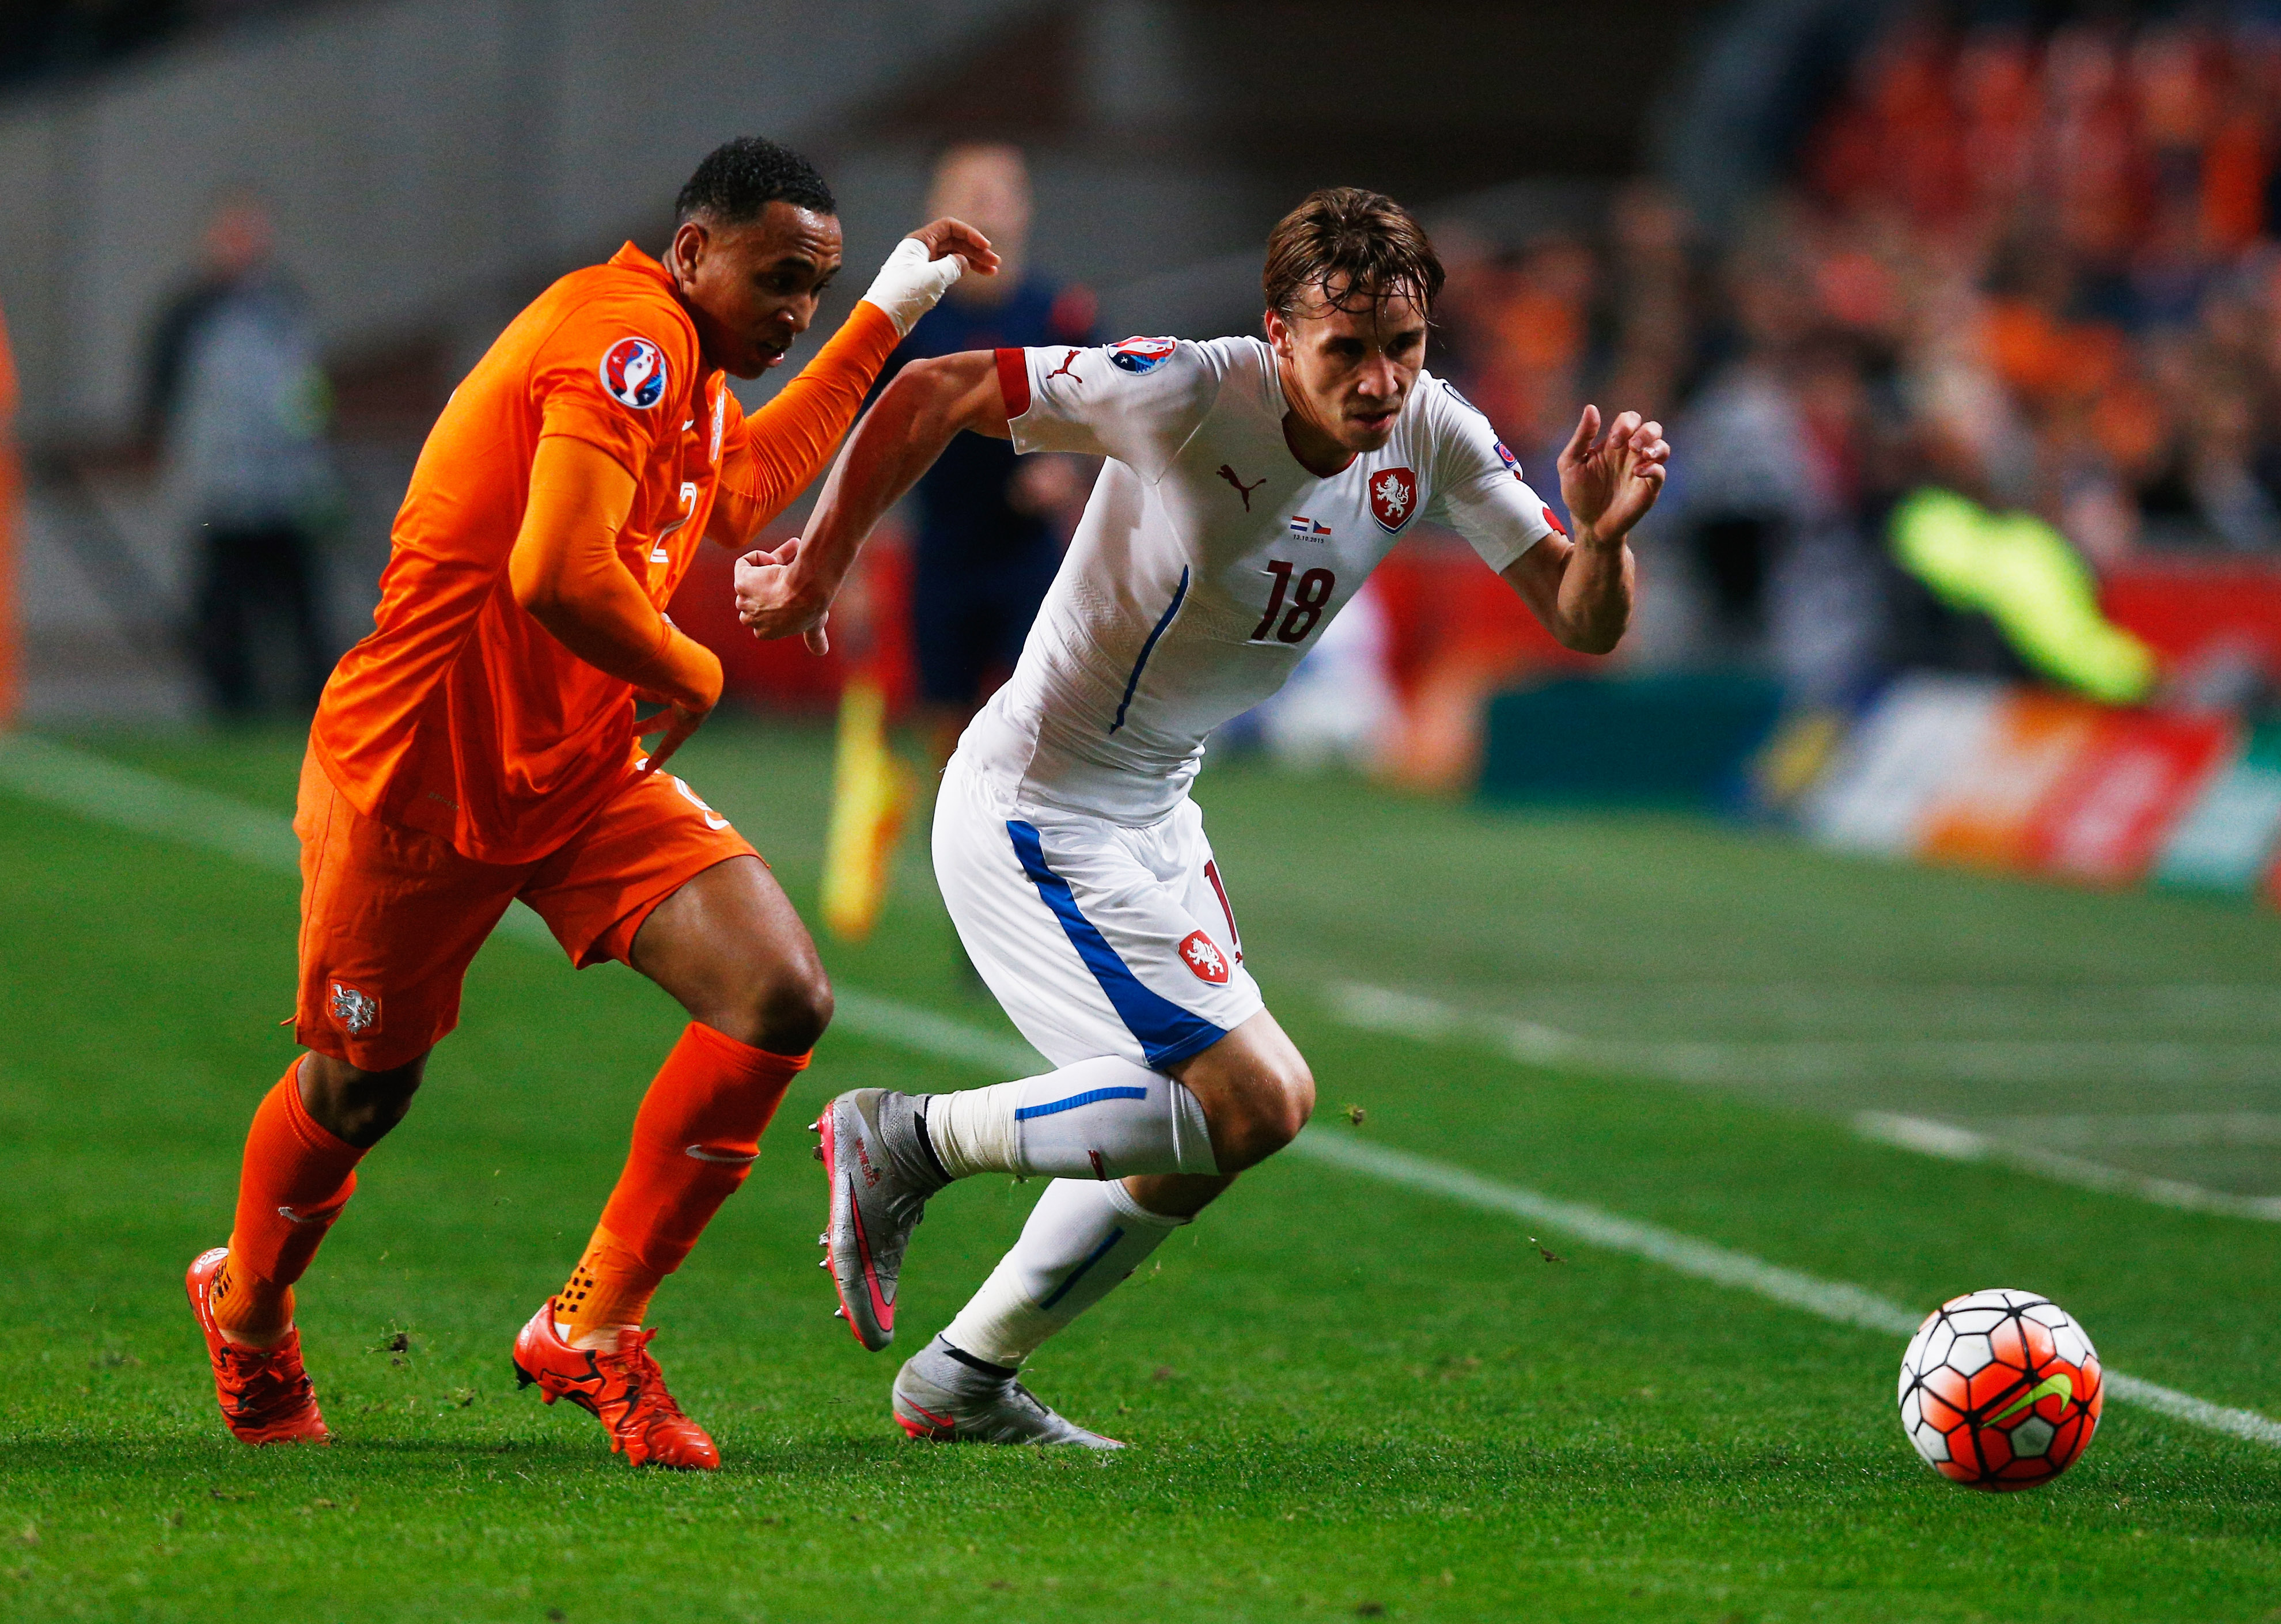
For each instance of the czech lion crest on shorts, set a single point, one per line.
(1393, 498)
(1201, 953)
(633, 370)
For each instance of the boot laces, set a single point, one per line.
(265, 1382)
(647, 1400)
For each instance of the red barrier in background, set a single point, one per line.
(870, 626)
(2196, 612)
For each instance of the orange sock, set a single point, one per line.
(695, 1139)
(296, 1179)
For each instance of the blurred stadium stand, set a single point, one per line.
(431, 165)
(1850, 249)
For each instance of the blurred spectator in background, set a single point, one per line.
(238, 404)
(991, 525)
(2035, 267)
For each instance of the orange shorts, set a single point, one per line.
(390, 918)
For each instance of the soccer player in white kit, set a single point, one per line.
(1250, 488)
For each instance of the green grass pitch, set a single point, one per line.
(1345, 1399)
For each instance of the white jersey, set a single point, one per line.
(1209, 560)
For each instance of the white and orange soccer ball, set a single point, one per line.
(2000, 1390)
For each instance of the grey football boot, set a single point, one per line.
(944, 1395)
(883, 1169)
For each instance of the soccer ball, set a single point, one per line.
(2000, 1390)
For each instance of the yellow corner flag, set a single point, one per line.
(870, 792)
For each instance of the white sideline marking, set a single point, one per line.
(1952, 1142)
(1828, 1299)
(106, 791)
(1375, 1008)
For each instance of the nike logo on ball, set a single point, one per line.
(2048, 1387)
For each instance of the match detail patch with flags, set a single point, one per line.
(1303, 528)
(633, 371)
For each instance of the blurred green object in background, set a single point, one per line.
(1676, 740)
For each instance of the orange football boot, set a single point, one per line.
(265, 1396)
(622, 1388)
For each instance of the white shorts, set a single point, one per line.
(1096, 939)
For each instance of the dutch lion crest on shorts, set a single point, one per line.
(357, 1012)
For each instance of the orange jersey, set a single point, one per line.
(460, 714)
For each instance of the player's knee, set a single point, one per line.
(1273, 1109)
(783, 1010)
(356, 1105)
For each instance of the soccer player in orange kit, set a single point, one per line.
(481, 744)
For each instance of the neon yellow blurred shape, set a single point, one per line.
(870, 792)
(2022, 573)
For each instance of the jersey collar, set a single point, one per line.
(633, 259)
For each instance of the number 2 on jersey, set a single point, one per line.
(1315, 588)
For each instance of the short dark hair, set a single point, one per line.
(1357, 248)
(740, 178)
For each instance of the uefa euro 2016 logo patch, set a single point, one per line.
(1139, 355)
(633, 370)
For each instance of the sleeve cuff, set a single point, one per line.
(1014, 381)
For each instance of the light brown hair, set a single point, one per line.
(1356, 248)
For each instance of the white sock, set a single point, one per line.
(1082, 1238)
(1101, 1119)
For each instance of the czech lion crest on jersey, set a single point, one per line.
(1201, 953)
(1140, 355)
(633, 370)
(1393, 498)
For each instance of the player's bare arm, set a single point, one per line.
(1581, 587)
(789, 589)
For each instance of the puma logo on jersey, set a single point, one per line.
(1068, 366)
(1241, 490)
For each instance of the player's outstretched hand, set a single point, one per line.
(924, 267)
(955, 236)
(773, 602)
(1609, 484)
